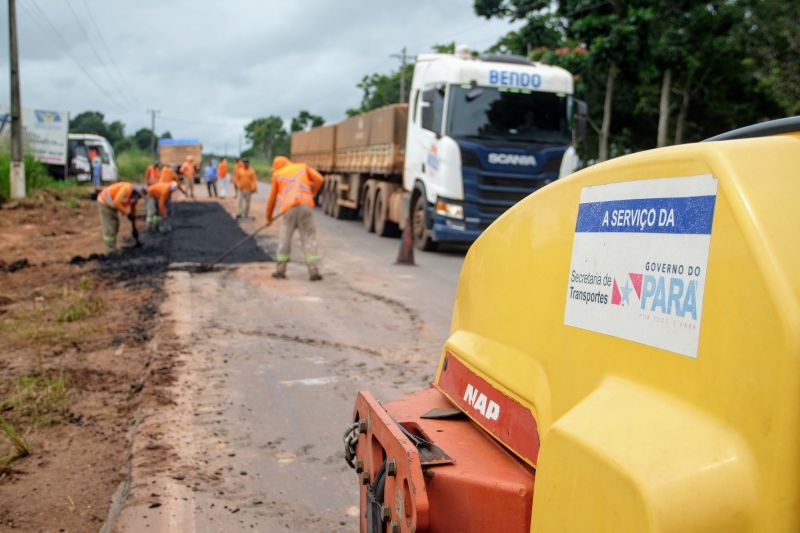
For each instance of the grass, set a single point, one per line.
(37, 400)
(131, 164)
(36, 176)
(32, 401)
(58, 319)
(19, 446)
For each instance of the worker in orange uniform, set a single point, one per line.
(151, 175)
(118, 198)
(247, 183)
(222, 177)
(294, 186)
(167, 174)
(158, 197)
(188, 170)
(237, 167)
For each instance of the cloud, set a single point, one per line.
(211, 67)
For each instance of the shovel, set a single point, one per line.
(206, 267)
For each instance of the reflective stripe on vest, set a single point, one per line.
(293, 187)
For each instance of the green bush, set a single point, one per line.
(132, 164)
(36, 176)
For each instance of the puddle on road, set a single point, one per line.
(326, 380)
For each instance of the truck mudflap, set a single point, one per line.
(424, 466)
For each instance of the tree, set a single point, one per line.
(166, 135)
(305, 121)
(89, 122)
(381, 89)
(268, 136)
(144, 139)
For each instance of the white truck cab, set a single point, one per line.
(105, 151)
(482, 134)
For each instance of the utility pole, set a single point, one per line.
(403, 58)
(153, 113)
(17, 161)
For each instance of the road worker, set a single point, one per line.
(167, 174)
(158, 197)
(222, 177)
(118, 198)
(247, 183)
(188, 171)
(151, 175)
(294, 186)
(237, 167)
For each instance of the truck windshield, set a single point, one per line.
(508, 114)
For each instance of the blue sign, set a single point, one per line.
(682, 215)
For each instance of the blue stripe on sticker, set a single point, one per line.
(688, 215)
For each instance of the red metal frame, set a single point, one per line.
(479, 486)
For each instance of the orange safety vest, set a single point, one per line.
(295, 184)
(151, 175)
(167, 174)
(222, 169)
(161, 192)
(117, 196)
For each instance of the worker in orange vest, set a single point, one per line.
(237, 167)
(167, 174)
(293, 187)
(151, 175)
(247, 183)
(118, 198)
(158, 197)
(188, 170)
(222, 177)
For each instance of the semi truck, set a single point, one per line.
(479, 134)
(624, 356)
(173, 152)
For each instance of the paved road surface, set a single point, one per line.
(268, 379)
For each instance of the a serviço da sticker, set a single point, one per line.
(639, 261)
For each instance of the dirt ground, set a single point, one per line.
(79, 361)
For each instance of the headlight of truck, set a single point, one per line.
(449, 210)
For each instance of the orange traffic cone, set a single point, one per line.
(405, 256)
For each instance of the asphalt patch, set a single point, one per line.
(204, 231)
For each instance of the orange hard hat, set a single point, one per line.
(280, 162)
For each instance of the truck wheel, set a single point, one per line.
(383, 226)
(368, 209)
(422, 240)
(328, 202)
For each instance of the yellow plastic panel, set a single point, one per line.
(743, 386)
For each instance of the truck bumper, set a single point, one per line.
(424, 466)
(451, 230)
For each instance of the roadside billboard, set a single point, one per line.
(45, 133)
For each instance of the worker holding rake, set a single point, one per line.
(293, 188)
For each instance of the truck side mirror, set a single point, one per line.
(579, 120)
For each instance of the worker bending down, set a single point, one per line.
(158, 197)
(294, 186)
(118, 198)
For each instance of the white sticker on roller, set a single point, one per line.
(639, 261)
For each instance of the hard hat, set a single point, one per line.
(280, 162)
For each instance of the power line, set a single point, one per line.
(41, 14)
(95, 52)
(125, 84)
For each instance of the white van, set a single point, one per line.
(105, 151)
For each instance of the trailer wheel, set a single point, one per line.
(328, 197)
(383, 226)
(368, 208)
(419, 224)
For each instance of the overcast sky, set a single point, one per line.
(211, 67)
